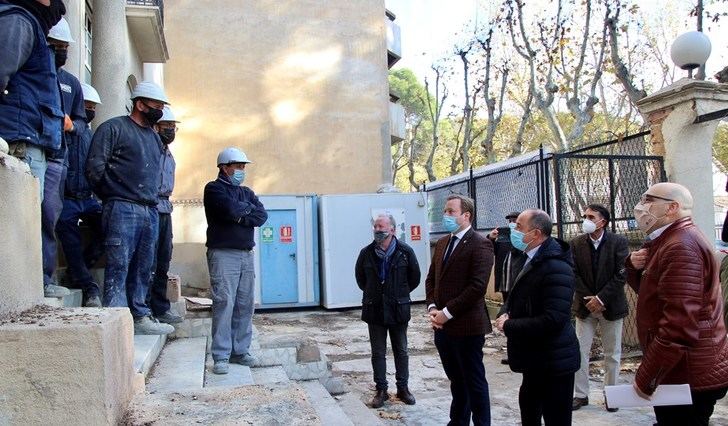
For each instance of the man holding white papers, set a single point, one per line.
(680, 306)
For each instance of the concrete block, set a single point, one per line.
(269, 375)
(334, 385)
(73, 300)
(326, 407)
(358, 412)
(21, 269)
(66, 366)
(146, 352)
(238, 375)
(193, 327)
(181, 366)
(174, 288)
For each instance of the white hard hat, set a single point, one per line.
(149, 90)
(90, 94)
(232, 155)
(61, 32)
(168, 115)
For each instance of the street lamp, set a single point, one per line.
(690, 50)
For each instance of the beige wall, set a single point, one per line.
(300, 86)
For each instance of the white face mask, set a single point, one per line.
(644, 217)
(588, 226)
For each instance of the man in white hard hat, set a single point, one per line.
(123, 170)
(59, 38)
(232, 212)
(30, 104)
(158, 302)
(79, 203)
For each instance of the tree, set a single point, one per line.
(434, 108)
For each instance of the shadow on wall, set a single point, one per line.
(189, 262)
(300, 86)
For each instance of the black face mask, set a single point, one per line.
(47, 16)
(167, 135)
(60, 56)
(90, 114)
(152, 115)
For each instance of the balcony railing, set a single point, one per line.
(145, 20)
(156, 3)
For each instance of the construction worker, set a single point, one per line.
(59, 38)
(158, 302)
(123, 170)
(232, 212)
(30, 104)
(79, 203)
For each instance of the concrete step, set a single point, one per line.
(73, 300)
(238, 375)
(181, 366)
(357, 411)
(326, 407)
(269, 375)
(146, 352)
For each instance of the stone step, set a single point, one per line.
(73, 300)
(357, 411)
(238, 375)
(269, 375)
(146, 352)
(181, 366)
(326, 407)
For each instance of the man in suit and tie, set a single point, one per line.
(599, 297)
(455, 285)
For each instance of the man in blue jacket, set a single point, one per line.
(232, 211)
(79, 203)
(123, 169)
(30, 103)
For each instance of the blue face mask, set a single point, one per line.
(238, 177)
(517, 239)
(449, 223)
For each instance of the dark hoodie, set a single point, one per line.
(540, 335)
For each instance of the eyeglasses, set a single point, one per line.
(647, 198)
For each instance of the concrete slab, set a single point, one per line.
(181, 366)
(358, 412)
(326, 407)
(73, 300)
(66, 366)
(146, 352)
(238, 375)
(269, 375)
(192, 327)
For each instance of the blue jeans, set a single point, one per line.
(50, 208)
(232, 278)
(158, 292)
(462, 360)
(78, 259)
(398, 339)
(33, 156)
(130, 232)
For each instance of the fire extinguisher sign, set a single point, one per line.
(286, 234)
(415, 233)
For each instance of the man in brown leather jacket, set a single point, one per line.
(680, 307)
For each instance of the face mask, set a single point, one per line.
(450, 223)
(90, 114)
(380, 236)
(60, 56)
(238, 177)
(645, 218)
(167, 135)
(152, 115)
(588, 226)
(517, 239)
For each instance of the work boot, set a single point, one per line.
(52, 290)
(221, 367)
(148, 325)
(245, 359)
(405, 395)
(93, 302)
(379, 398)
(578, 403)
(170, 317)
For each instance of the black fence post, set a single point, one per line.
(474, 196)
(557, 179)
(539, 177)
(612, 195)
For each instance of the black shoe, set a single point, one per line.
(405, 396)
(612, 410)
(504, 361)
(379, 398)
(578, 403)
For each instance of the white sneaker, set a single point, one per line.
(148, 325)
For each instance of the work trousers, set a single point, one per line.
(158, 301)
(232, 278)
(50, 207)
(378, 341)
(130, 232)
(611, 332)
(547, 396)
(697, 414)
(78, 258)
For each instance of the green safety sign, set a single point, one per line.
(267, 234)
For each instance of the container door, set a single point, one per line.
(278, 263)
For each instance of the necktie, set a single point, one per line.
(450, 247)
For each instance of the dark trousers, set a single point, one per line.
(50, 207)
(697, 414)
(130, 232)
(378, 341)
(547, 396)
(157, 298)
(462, 359)
(78, 258)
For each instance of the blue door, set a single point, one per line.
(278, 263)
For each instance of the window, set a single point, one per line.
(88, 43)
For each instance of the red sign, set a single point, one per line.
(286, 234)
(415, 233)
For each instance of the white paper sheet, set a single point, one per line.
(625, 396)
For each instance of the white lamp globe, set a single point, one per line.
(690, 50)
